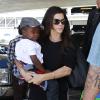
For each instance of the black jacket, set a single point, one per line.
(92, 23)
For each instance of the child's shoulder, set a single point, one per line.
(25, 41)
(29, 42)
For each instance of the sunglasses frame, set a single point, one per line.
(58, 21)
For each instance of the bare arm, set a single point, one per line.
(61, 72)
(26, 74)
(37, 63)
(92, 85)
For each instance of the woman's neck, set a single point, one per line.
(54, 37)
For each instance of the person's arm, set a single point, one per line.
(27, 75)
(37, 63)
(61, 72)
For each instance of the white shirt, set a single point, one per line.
(25, 48)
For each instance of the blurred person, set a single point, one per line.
(93, 78)
(92, 86)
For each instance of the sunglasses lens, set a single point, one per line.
(57, 21)
(63, 22)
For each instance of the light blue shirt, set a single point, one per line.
(94, 54)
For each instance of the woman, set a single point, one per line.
(58, 52)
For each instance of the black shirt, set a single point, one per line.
(54, 58)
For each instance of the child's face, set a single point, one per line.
(31, 33)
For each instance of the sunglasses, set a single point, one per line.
(57, 21)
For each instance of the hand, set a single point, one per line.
(37, 79)
(27, 75)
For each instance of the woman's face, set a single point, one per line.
(58, 23)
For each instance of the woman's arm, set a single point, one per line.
(61, 72)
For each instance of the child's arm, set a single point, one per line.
(26, 74)
(38, 64)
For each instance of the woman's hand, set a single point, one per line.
(37, 79)
(27, 75)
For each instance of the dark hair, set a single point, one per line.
(47, 23)
(19, 30)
